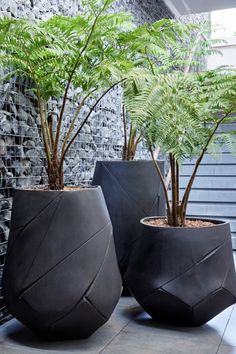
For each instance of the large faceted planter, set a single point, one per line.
(183, 275)
(61, 276)
(132, 191)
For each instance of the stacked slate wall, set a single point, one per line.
(21, 155)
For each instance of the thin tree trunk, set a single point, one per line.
(55, 176)
(84, 121)
(69, 81)
(177, 180)
(124, 151)
(131, 144)
(174, 191)
(188, 189)
(181, 221)
(169, 215)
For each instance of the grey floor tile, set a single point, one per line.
(12, 350)
(18, 337)
(129, 331)
(144, 336)
(214, 329)
(226, 349)
(133, 342)
(230, 332)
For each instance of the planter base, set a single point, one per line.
(183, 275)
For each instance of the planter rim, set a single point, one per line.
(128, 161)
(73, 189)
(216, 222)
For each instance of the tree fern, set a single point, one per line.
(62, 55)
(178, 107)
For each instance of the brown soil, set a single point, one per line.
(36, 188)
(70, 188)
(45, 188)
(189, 223)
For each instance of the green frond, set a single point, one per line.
(178, 109)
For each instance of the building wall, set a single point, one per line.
(213, 194)
(214, 191)
(21, 154)
(226, 56)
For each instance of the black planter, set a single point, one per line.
(132, 191)
(61, 276)
(183, 275)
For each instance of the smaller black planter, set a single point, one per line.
(132, 190)
(183, 275)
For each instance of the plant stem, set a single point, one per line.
(124, 152)
(57, 137)
(131, 144)
(45, 141)
(74, 119)
(174, 191)
(169, 216)
(177, 181)
(40, 106)
(135, 145)
(50, 127)
(156, 154)
(184, 202)
(149, 61)
(85, 120)
(55, 176)
(192, 53)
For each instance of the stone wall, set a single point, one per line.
(143, 11)
(21, 154)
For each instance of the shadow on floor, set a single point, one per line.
(19, 336)
(140, 317)
(130, 327)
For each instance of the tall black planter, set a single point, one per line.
(132, 191)
(61, 276)
(183, 275)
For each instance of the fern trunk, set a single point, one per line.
(176, 218)
(55, 175)
(128, 154)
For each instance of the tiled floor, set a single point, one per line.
(131, 331)
(128, 331)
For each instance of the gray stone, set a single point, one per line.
(22, 114)
(5, 124)
(2, 166)
(15, 126)
(4, 204)
(2, 147)
(4, 229)
(29, 144)
(17, 166)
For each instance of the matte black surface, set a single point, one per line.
(132, 191)
(183, 275)
(61, 276)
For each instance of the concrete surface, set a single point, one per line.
(131, 331)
